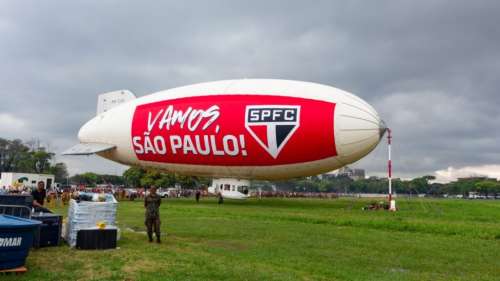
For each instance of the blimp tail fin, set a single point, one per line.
(88, 148)
(109, 100)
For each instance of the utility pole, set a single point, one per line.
(392, 202)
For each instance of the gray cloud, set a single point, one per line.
(429, 67)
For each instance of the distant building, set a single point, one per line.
(328, 176)
(17, 180)
(354, 174)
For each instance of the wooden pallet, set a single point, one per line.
(17, 270)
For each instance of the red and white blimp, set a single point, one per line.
(239, 129)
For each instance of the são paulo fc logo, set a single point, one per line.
(272, 125)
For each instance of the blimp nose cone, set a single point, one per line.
(359, 129)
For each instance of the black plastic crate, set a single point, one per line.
(49, 232)
(94, 239)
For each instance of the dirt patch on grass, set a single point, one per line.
(141, 265)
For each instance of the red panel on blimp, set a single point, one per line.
(234, 130)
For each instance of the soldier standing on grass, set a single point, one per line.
(198, 195)
(152, 204)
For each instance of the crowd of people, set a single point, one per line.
(122, 193)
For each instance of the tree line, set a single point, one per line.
(29, 157)
(420, 185)
(138, 177)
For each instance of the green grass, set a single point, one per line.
(291, 239)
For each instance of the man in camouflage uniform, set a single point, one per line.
(152, 204)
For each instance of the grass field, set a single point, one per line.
(291, 239)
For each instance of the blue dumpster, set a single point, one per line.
(16, 239)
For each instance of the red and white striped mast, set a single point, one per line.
(392, 202)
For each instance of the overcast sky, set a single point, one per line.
(430, 68)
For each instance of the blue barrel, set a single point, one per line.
(16, 239)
